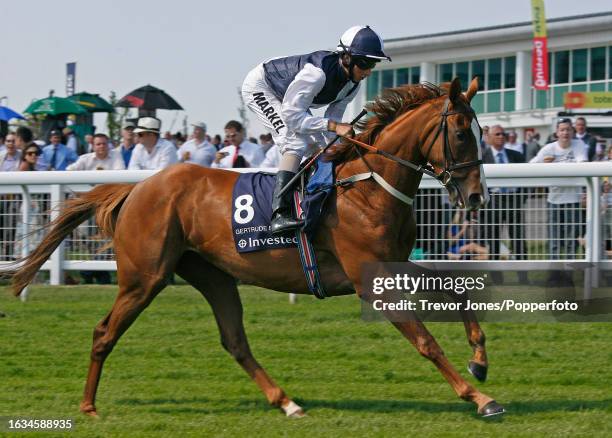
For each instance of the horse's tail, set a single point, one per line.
(104, 201)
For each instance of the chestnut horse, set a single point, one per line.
(178, 221)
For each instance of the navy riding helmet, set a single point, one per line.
(362, 41)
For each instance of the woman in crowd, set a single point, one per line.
(30, 159)
(30, 162)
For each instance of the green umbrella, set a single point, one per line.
(54, 106)
(92, 102)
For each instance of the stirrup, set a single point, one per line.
(281, 223)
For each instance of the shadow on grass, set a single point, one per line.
(178, 405)
(200, 405)
(512, 408)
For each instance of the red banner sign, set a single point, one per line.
(539, 57)
(539, 63)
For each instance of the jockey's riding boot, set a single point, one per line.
(282, 217)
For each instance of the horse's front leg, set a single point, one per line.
(413, 329)
(408, 323)
(478, 365)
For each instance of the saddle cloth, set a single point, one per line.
(252, 209)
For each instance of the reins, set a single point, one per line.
(445, 176)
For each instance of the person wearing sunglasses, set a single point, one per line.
(30, 160)
(152, 152)
(283, 91)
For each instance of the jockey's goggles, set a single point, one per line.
(364, 63)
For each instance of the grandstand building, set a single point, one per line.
(580, 59)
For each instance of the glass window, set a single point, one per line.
(415, 75)
(541, 98)
(580, 87)
(561, 67)
(598, 63)
(402, 76)
(558, 93)
(509, 100)
(477, 103)
(446, 72)
(494, 102)
(598, 87)
(610, 62)
(372, 86)
(478, 69)
(494, 74)
(462, 71)
(510, 72)
(579, 65)
(387, 78)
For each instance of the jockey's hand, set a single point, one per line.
(342, 129)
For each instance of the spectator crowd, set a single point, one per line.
(143, 146)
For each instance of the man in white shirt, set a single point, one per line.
(513, 144)
(197, 150)
(101, 158)
(239, 153)
(10, 157)
(565, 215)
(152, 152)
(588, 139)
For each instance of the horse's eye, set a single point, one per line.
(460, 135)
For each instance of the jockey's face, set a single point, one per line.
(360, 70)
(359, 74)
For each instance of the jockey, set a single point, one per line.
(282, 92)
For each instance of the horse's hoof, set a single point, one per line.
(90, 411)
(297, 414)
(491, 409)
(478, 371)
(293, 410)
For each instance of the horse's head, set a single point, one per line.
(452, 147)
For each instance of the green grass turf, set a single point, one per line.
(169, 375)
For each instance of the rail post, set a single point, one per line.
(57, 258)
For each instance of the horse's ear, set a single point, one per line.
(471, 91)
(454, 90)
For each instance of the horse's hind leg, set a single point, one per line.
(221, 292)
(130, 302)
(479, 364)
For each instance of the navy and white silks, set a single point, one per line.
(282, 92)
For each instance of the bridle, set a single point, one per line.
(450, 163)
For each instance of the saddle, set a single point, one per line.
(252, 212)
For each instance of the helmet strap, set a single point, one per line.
(349, 66)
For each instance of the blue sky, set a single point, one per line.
(200, 51)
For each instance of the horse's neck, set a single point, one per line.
(399, 140)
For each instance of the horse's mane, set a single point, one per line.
(392, 103)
